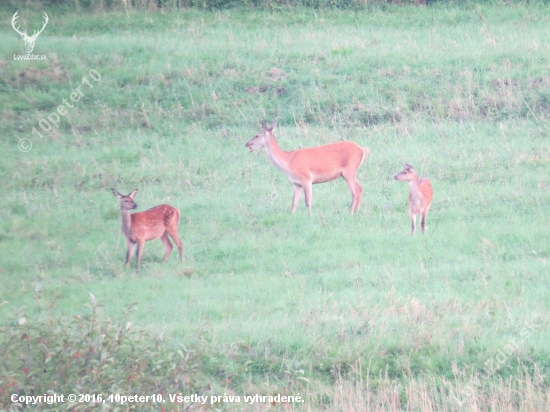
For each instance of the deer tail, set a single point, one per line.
(366, 152)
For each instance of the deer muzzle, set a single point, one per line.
(252, 145)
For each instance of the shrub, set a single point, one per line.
(89, 354)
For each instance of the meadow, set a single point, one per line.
(349, 311)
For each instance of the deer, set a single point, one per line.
(309, 166)
(155, 223)
(29, 40)
(420, 196)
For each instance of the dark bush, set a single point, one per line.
(89, 354)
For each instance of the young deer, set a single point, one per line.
(420, 197)
(158, 222)
(305, 167)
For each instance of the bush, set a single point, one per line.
(89, 354)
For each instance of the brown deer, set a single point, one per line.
(155, 223)
(420, 197)
(306, 167)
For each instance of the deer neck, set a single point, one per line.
(277, 156)
(415, 190)
(126, 222)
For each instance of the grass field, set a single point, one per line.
(350, 311)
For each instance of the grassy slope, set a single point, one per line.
(463, 98)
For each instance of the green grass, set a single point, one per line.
(461, 93)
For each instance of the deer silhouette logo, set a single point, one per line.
(29, 40)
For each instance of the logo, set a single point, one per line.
(29, 40)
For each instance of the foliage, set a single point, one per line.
(89, 354)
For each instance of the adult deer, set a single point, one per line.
(305, 167)
(155, 223)
(29, 40)
(420, 196)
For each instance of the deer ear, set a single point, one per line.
(264, 127)
(131, 195)
(116, 193)
(273, 126)
(409, 166)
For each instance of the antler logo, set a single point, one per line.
(29, 40)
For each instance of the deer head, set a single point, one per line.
(261, 138)
(126, 202)
(29, 40)
(407, 174)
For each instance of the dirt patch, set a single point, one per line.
(276, 74)
(539, 82)
(254, 90)
(56, 72)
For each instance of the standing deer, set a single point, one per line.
(158, 222)
(305, 167)
(29, 40)
(420, 197)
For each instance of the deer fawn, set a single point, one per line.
(420, 197)
(158, 222)
(305, 167)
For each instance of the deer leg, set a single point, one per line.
(296, 198)
(307, 192)
(359, 192)
(139, 251)
(129, 250)
(167, 245)
(174, 235)
(413, 222)
(423, 221)
(352, 184)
